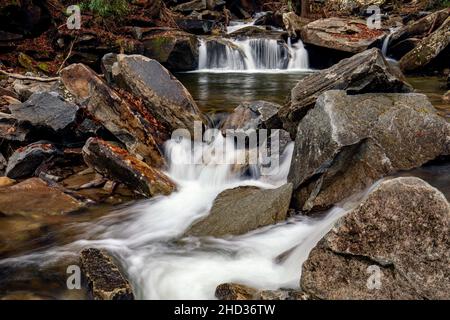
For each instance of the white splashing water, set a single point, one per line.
(237, 25)
(252, 55)
(143, 237)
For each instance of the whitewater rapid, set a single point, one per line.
(146, 238)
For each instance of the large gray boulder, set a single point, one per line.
(394, 245)
(347, 142)
(163, 96)
(362, 73)
(240, 210)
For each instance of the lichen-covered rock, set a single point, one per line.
(137, 130)
(163, 96)
(176, 50)
(362, 73)
(35, 198)
(240, 210)
(428, 49)
(46, 110)
(103, 277)
(24, 161)
(235, 291)
(348, 35)
(347, 142)
(418, 29)
(394, 245)
(117, 164)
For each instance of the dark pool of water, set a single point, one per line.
(219, 92)
(215, 92)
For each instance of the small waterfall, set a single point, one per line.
(252, 55)
(387, 39)
(299, 56)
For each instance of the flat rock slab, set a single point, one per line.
(33, 197)
(164, 97)
(363, 73)
(394, 246)
(348, 35)
(347, 142)
(119, 165)
(240, 210)
(46, 110)
(24, 161)
(103, 277)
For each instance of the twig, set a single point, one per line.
(68, 56)
(22, 77)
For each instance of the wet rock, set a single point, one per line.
(176, 50)
(103, 277)
(197, 26)
(117, 164)
(293, 24)
(234, 291)
(24, 161)
(398, 50)
(253, 115)
(240, 210)
(282, 294)
(124, 120)
(270, 19)
(34, 198)
(348, 35)
(163, 96)
(420, 27)
(347, 142)
(427, 49)
(46, 110)
(256, 32)
(362, 73)
(6, 182)
(400, 232)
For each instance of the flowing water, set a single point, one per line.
(146, 237)
(251, 55)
